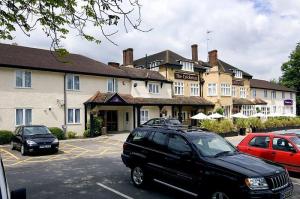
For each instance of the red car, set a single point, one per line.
(282, 149)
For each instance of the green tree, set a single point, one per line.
(291, 71)
(58, 17)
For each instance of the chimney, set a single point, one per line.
(213, 58)
(194, 52)
(124, 58)
(114, 64)
(128, 57)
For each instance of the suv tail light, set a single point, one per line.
(125, 145)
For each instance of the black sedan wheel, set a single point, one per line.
(219, 195)
(138, 176)
(23, 150)
(12, 145)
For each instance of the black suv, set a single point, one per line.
(202, 164)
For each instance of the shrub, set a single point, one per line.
(242, 123)
(255, 123)
(87, 133)
(5, 136)
(220, 111)
(71, 135)
(222, 126)
(57, 132)
(97, 126)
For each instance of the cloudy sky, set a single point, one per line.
(254, 35)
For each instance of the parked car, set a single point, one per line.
(164, 122)
(4, 189)
(201, 164)
(280, 148)
(34, 138)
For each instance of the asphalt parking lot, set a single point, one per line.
(83, 169)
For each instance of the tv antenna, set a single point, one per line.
(207, 40)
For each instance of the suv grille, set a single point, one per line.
(278, 182)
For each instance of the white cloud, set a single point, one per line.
(255, 35)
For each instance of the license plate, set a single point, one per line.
(287, 194)
(45, 146)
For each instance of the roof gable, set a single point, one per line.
(263, 84)
(227, 68)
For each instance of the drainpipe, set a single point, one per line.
(65, 106)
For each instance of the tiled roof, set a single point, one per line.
(259, 101)
(242, 101)
(168, 57)
(225, 67)
(263, 84)
(40, 59)
(103, 98)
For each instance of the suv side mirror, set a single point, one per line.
(18, 194)
(293, 150)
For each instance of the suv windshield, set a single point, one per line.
(296, 141)
(212, 145)
(36, 130)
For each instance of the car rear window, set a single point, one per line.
(159, 138)
(137, 136)
(296, 141)
(260, 141)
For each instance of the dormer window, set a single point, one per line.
(187, 66)
(238, 74)
(154, 65)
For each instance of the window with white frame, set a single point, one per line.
(273, 95)
(153, 88)
(212, 89)
(144, 116)
(233, 90)
(23, 116)
(187, 66)
(238, 74)
(243, 92)
(73, 116)
(23, 79)
(253, 92)
(248, 110)
(112, 85)
(265, 93)
(265, 110)
(178, 88)
(194, 89)
(225, 90)
(283, 95)
(73, 82)
(154, 65)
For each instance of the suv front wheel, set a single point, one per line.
(219, 195)
(138, 176)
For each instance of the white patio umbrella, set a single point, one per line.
(239, 115)
(258, 115)
(274, 115)
(289, 115)
(215, 116)
(200, 116)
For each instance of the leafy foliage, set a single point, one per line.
(220, 111)
(5, 136)
(71, 135)
(291, 71)
(57, 132)
(223, 126)
(242, 123)
(58, 17)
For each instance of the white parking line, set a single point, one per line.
(114, 191)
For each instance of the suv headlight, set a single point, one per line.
(257, 183)
(55, 141)
(30, 142)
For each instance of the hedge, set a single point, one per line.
(5, 136)
(57, 132)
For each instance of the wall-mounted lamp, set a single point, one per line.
(135, 85)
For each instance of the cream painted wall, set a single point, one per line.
(39, 98)
(278, 102)
(141, 90)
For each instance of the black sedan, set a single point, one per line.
(34, 138)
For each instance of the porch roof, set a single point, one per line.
(259, 101)
(125, 99)
(242, 101)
